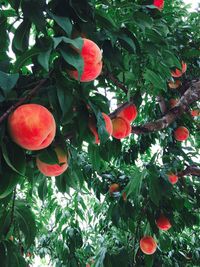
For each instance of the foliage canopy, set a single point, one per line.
(72, 218)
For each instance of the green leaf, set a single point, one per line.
(155, 79)
(105, 19)
(102, 132)
(73, 58)
(65, 98)
(127, 43)
(134, 186)
(17, 164)
(25, 218)
(21, 37)
(77, 43)
(170, 59)
(8, 81)
(33, 10)
(148, 260)
(48, 156)
(43, 59)
(11, 255)
(8, 182)
(143, 20)
(42, 188)
(63, 22)
(154, 187)
(93, 152)
(61, 183)
(23, 60)
(192, 53)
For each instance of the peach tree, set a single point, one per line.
(99, 133)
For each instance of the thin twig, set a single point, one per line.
(162, 104)
(190, 170)
(119, 84)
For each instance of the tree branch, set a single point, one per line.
(192, 94)
(190, 170)
(23, 100)
(119, 84)
(162, 104)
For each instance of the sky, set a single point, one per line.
(194, 3)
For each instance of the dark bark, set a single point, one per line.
(191, 95)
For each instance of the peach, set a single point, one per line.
(195, 113)
(53, 169)
(173, 102)
(93, 128)
(113, 188)
(92, 58)
(181, 133)
(148, 245)
(159, 4)
(32, 126)
(129, 113)
(178, 73)
(163, 223)
(173, 179)
(121, 128)
(174, 85)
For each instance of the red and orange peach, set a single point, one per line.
(121, 128)
(159, 4)
(92, 59)
(163, 223)
(195, 113)
(53, 169)
(32, 126)
(173, 178)
(181, 133)
(129, 113)
(113, 188)
(148, 245)
(178, 73)
(175, 84)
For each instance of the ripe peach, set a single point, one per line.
(178, 73)
(163, 223)
(121, 128)
(53, 169)
(195, 113)
(173, 102)
(181, 133)
(92, 58)
(174, 85)
(113, 188)
(32, 126)
(129, 113)
(148, 245)
(159, 4)
(93, 128)
(173, 179)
